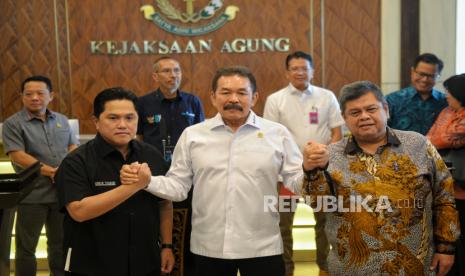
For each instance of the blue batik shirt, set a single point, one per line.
(408, 111)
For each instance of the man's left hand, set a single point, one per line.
(135, 173)
(315, 155)
(167, 260)
(444, 262)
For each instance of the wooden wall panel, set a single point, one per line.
(352, 42)
(92, 20)
(63, 59)
(28, 46)
(316, 41)
(409, 39)
(342, 36)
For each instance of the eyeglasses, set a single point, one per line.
(426, 75)
(175, 71)
(299, 69)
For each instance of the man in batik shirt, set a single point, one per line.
(389, 195)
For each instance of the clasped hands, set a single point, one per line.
(315, 156)
(135, 174)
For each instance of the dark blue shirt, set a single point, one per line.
(160, 117)
(408, 111)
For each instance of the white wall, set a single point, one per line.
(390, 45)
(460, 34)
(438, 32)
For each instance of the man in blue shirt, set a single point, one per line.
(416, 107)
(163, 115)
(167, 111)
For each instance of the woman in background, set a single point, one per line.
(448, 136)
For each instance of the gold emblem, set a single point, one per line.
(189, 16)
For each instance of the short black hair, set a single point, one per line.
(43, 79)
(455, 85)
(355, 90)
(110, 94)
(296, 55)
(430, 59)
(234, 71)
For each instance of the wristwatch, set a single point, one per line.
(167, 245)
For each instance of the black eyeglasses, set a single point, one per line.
(427, 76)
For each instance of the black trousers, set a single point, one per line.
(154, 273)
(458, 269)
(270, 266)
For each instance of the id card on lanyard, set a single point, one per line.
(313, 116)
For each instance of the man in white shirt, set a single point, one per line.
(310, 113)
(233, 162)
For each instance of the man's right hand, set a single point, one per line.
(48, 171)
(135, 174)
(135, 177)
(315, 156)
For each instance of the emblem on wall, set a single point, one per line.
(167, 14)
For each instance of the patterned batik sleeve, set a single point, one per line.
(314, 185)
(446, 224)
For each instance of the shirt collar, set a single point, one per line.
(352, 146)
(296, 91)
(159, 94)
(436, 95)
(28, 116)
(103, 148)
(412, 92)
(252, 120)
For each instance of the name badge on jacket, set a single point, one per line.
(188, 114)
(104, 183)
(154, 119)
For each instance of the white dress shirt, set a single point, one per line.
(291, 107)
(231, 173)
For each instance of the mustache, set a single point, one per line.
(233, 106)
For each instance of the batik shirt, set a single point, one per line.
(408, 111)
(409, 191)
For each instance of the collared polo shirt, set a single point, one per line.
(408, 111)
(160, 117)
(123, 241)
(294, 108)
(47, 141)
(233, 175)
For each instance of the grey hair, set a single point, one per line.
(355, 90)
(156, 64)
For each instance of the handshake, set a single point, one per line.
(315, 156)
(136, 174)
